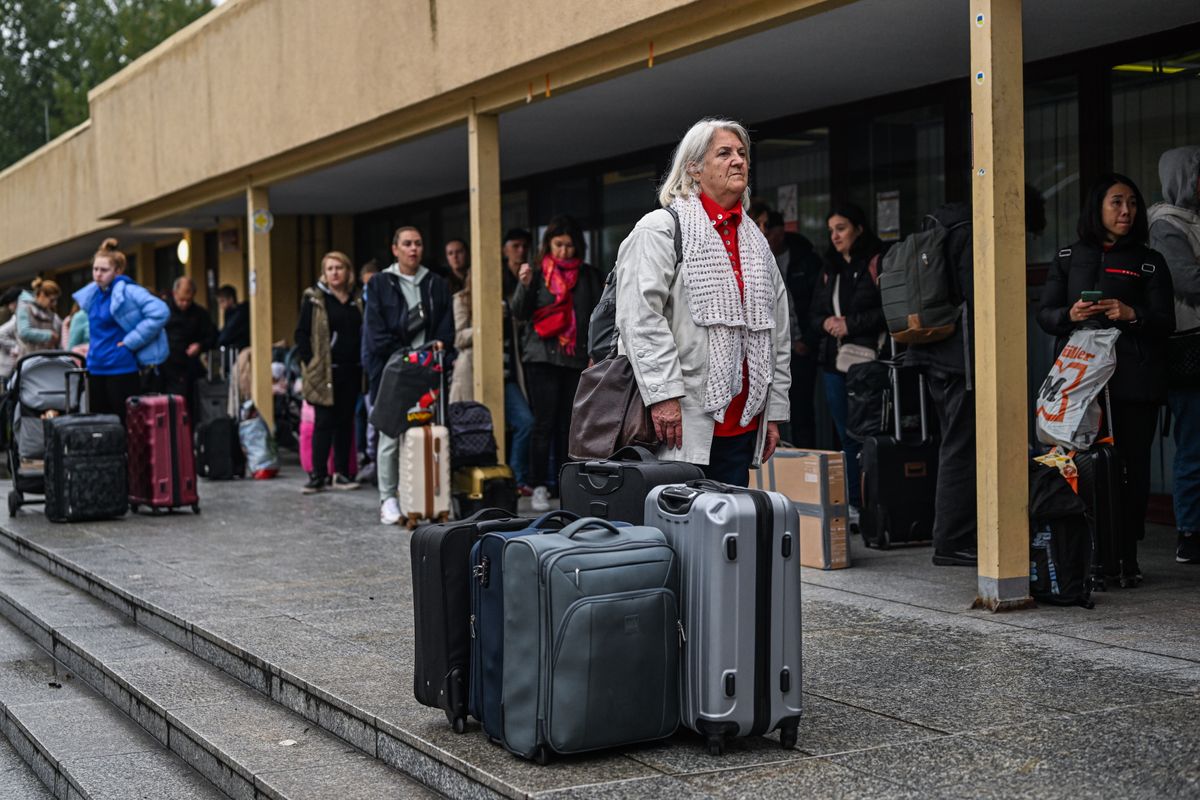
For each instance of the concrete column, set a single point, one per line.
(194, 268)
(259, 241)
(998, 193)
(487, 287)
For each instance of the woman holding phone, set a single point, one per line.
(1111, 278)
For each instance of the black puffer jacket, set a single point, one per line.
(859, 297)
(1138, 277)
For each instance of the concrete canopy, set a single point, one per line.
(851, 52)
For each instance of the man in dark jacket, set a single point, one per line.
(948, 374)
(407, 307)
(235, 333)
(190, 333)
(800, 266)
(517, 416)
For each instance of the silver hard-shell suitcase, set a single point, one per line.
(739, 552)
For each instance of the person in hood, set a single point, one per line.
(127, 325)
(328, 340)
(1175, 232)
(38, 326)
(407, 307)
(1111, 256)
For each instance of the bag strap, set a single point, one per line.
(678, 238)
(633, 452)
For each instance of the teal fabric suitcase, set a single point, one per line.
(591, 637)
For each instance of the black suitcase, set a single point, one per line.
(617, 488)
(212, 391)
(441, 579)
(899, 479)
(1101, 481)
(219, 455)
(85, 468)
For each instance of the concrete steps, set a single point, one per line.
(244, 744)
(17, 780)
(77, 744)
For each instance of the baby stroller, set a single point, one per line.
(37, 387)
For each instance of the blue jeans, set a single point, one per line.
(1185, 408)
(518, 415)
(835, 396)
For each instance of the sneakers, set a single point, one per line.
(316, 483)
(1188, 549)
(342, 483)
(541, 499)
(389, 512)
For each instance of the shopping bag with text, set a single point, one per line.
(1068, 409)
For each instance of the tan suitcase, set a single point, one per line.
(425, 474)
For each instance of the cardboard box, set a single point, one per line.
(824, 541)
(807, 477)
(815, 482)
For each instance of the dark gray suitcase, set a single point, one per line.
(591, 639)
(86, 469)
(739, 552)
(616, 488)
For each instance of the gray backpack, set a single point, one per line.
(602, 326)
(919, 289)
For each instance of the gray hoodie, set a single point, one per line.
(1175, 230)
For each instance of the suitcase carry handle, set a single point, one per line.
(632, 452)
(486, 514)
(711, 486)
(676, 499)
(589, 523)
(563, 514)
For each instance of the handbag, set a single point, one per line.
(848, 353)
(608, 413)
(1183, 359)
(415, 320)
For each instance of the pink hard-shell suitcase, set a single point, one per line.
(162, 463)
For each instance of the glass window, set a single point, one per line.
(1155, 107)
(626, 195)
(514, 210)
(1052, 163)
(167, 267)
(897, 168)
(791, 173)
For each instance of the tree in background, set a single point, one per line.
(52, 52)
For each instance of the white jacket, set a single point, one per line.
(668, 351)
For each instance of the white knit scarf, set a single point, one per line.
(737, 331)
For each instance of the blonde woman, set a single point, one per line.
(38, 326)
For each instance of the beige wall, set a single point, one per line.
(262, 77)
(50, 196)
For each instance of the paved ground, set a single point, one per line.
(908, 692)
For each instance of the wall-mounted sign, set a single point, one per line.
(230, 240)
(253, 282)
(887, 215)
(788, 199)
(263, 221)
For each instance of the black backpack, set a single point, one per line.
(472, 437)
(1060, 541)
(602, 326)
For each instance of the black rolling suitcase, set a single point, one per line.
(441, 579)
(899, 478)
(617, 488)
(1101, 481)
(86, 473)
(219, 455)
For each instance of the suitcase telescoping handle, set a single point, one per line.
(589, 523)
(894, 372)
(83, 397)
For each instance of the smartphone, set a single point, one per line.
(1091, 297)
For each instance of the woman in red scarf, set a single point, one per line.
(554, 299)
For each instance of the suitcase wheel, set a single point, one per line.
(542, 755)
(195, 508)
(133, 507)
(788, 736)
(444, 517)
(459, 724)
(716, 744)
(14, 502)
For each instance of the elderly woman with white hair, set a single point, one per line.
(708, 337)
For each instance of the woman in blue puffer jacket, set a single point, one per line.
(128, 336)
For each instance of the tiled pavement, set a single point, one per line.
(908, 692)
